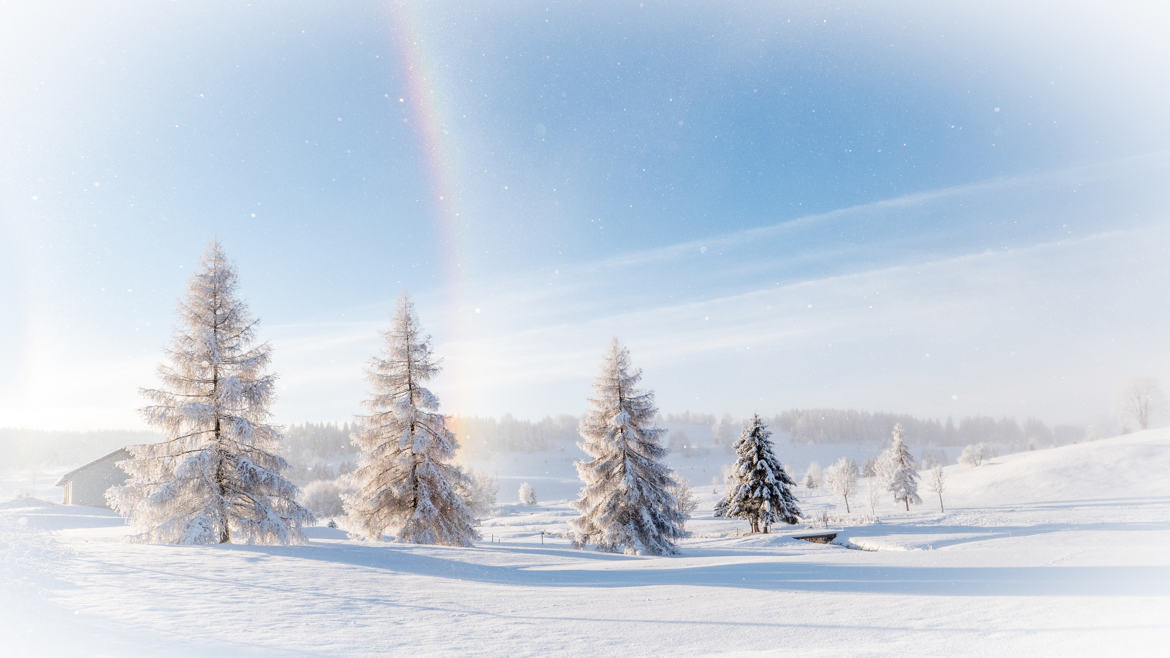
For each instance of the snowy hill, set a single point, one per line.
(1131, 465)
(1054, 552)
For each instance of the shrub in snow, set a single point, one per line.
(323, 498)
(759, 490)
(479, 490)
(975, 454)
(813, 476)
(1140, 401)
(625, 503)
(903, 476)
(823, 519)
(818, 520)
(841, 479)
(405, 479)
(527, 495)
(216, 478)
(687, 503)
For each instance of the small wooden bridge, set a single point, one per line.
(818, 538)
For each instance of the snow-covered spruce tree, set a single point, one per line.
(405, 479)
(759, 488)
(216, 477)
(903, 478)
(625, 504)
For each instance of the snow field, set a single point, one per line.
(1023, 562)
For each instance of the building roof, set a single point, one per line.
(110, 459)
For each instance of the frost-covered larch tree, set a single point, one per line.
(759, 489)
(903, 478)
(405, 479)
(216, 478)
(626, 503)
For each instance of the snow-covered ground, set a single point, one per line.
(1054, 552)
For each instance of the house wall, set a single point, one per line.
(89, 488)
(87, 485)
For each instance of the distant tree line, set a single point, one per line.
(51, 449)
(324, 450)
(319, 451)
(479, 436)
(815, 426)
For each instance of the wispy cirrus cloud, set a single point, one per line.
(1010, 321)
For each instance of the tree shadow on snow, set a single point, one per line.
(968, 533)
(1078, 503)
(775, 575)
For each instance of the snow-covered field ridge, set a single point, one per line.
(1063, 551)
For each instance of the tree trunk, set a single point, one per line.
(940, 503)
(907, 503)
(225, 535)
(847, 504)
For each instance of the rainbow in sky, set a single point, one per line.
(424, 98)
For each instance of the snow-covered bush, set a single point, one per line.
(323, 498)
(527, 494)
(823, 519)
(817, 520)
(975, 454)
(479, 491)
(813, 476)
(1140, 402)
(687, 503)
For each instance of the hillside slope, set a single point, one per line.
(1124, 466)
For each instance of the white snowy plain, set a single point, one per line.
(1064, 551)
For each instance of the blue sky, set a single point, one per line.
(943, 210)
